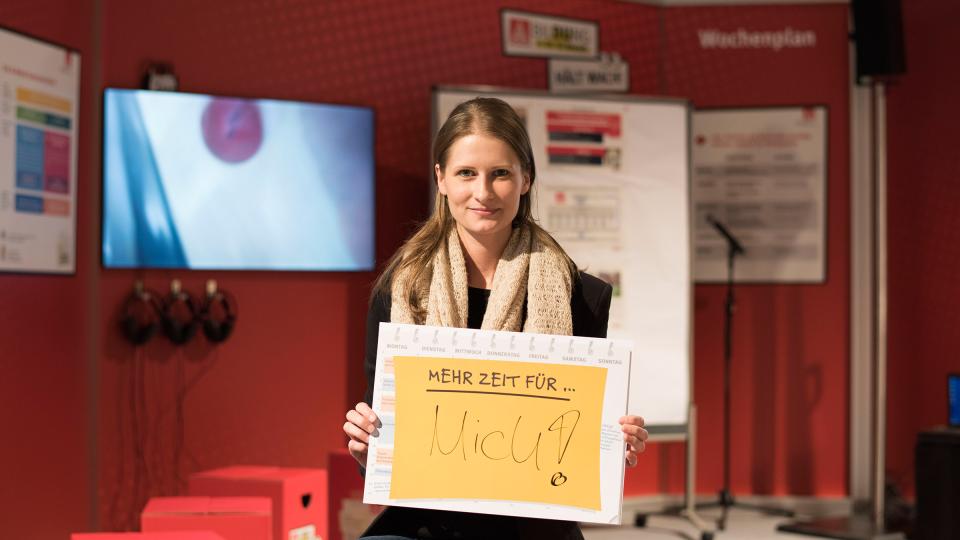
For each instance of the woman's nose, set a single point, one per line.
(483, 188)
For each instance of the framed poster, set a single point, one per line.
(39, 102)
(761, 173)
(502, 423)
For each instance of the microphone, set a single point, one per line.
(735, 246)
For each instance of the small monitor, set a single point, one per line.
(953, 398)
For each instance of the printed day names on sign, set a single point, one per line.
(499, 422)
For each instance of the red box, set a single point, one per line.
(299, 496)
(348, 516)
(233, 518)
(178, 535)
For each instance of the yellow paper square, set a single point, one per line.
(491, 429)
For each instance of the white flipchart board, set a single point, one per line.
(612, 186)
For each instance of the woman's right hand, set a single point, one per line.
(361, 423)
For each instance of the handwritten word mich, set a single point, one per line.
(493, 444)
(493, 379)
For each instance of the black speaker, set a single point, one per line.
(878, 33)
(938, 484)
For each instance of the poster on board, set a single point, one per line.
(612, 188)
(39, 89)
(762, 174)
(527, 424)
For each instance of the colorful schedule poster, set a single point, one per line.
(39, 91)
(499, 423)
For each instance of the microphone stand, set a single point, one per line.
(725, 498)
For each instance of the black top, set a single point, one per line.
(476, 306)
(590, 308)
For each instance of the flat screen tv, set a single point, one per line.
(195, 181)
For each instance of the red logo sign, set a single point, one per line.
(520, 32)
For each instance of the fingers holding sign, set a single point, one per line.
(361, 423)
(635, 436)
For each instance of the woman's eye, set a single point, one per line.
(501, 172)
(464, 172)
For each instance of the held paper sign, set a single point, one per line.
(475, 420)
(499, 422)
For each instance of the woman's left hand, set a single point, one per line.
(635, 437)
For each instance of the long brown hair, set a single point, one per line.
(480, 115)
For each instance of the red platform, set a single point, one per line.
(179, 535)
(347, 513)
(233, 518)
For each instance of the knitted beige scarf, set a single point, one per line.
(527, 269)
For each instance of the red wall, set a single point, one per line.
(790, 367)
(45, 425)
(276, 392)
(924, 231)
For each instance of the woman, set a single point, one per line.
(480, 261)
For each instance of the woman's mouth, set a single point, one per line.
(485, 211)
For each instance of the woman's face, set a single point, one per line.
(483, 182)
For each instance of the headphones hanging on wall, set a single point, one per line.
(179, 315)
(140, 317)
(219, 313)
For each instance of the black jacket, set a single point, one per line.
(590, 309)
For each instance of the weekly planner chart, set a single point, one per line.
(499, 423)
